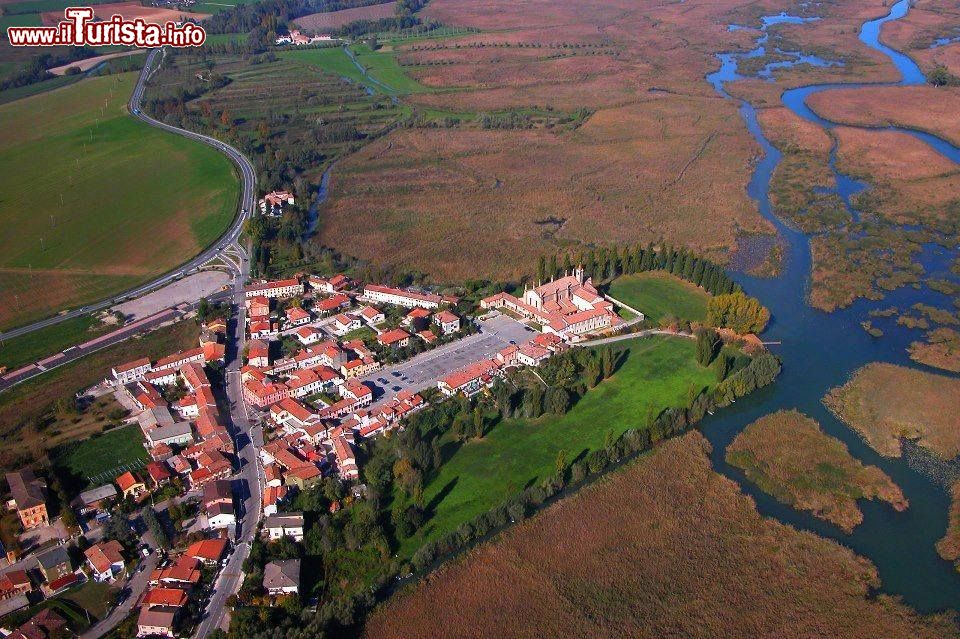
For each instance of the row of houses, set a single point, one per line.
(173, 584)
(472, 379)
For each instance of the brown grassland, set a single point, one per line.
(331, 20)
(663, 548)
(927, 21)
(927, 108)
(941, 349)
(130, 11)
(949, 545)
(662, 157)
(788, 456)
(886, 403)
(910, 182)
(29, 425)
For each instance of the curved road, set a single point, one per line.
(247, 174)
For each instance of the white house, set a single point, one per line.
(284, 525)
(344, 323)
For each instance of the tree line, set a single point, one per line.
(608, 263)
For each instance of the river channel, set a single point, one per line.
(821, 350)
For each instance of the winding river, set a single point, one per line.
(821, 350)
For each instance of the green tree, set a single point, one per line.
(561, 463)
(708, 345)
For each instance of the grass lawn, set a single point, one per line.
(94, 597)
(657, 295)
(102, 454)
(47, 341)
(111, 202)
(657, 374)
(360, 333)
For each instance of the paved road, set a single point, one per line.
(137, 585)
(248, 176)
(426, 369)
(626, 336)
(248, 480)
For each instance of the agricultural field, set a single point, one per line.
(886, 403)
(658, 373)
(102, 457)
(32, 423)
(788, 456)
(661, 295)
(700, 562)
(330, 21)
(78, 241)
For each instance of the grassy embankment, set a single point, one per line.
(167, 197)
(29, 424)
(665, 547)
(657, 374)
(887, 403)
(46, 341)
(788, 456)
(661, 295)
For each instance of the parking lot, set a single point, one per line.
(426, 369)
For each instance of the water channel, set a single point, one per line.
(820, 350)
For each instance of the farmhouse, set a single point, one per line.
(532, 355)
(408, 299)
(29, 495)
(276, 289)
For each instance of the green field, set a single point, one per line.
(658, 373)
(383, 73)
(658, 295)
(94, 201)
(47, 341)
(103, 454)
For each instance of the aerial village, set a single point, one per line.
(328, 362)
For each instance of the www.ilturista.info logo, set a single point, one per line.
(80, 29)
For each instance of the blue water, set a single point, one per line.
(821, 350)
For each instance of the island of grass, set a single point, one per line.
(949, 546)
(664, 548)
(887, 403)
(941, 349)
(98, 201)
(656, 374)
(661, 296)
(789, 457)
